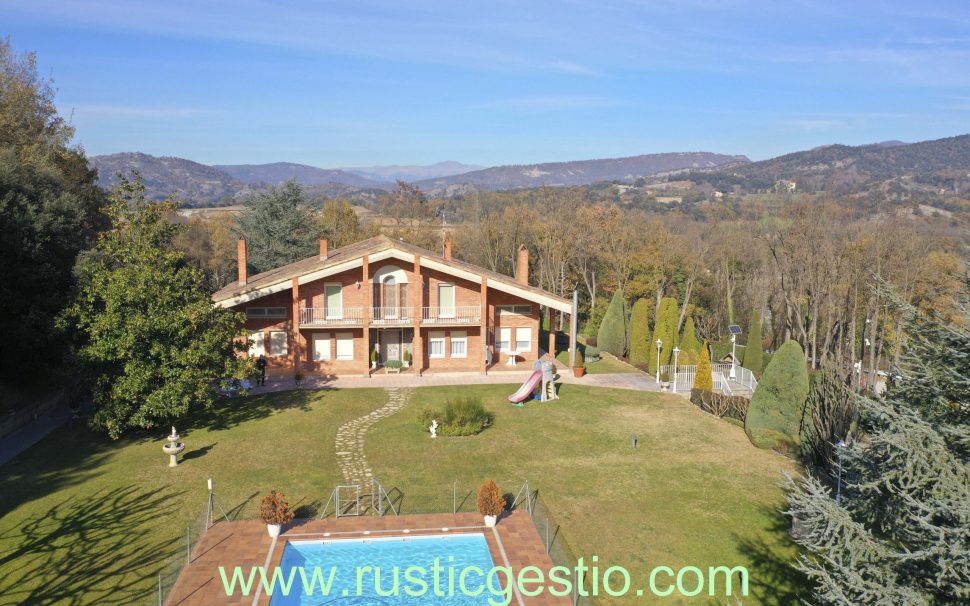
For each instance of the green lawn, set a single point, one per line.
(84, 520)
(605, 365)
(695, 492)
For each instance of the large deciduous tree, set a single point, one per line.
(278, 227)
(150, 339)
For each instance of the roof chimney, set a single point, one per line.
(324, 248)
(241, 256)
(522, 267)
(447, 247)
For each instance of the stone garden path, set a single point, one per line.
(350, 437)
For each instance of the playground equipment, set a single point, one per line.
(542, 377)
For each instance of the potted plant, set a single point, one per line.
(580, 368)
(373, 359)
(491, 504)
(407, 359)
(664, 381)
(298, 377)
(392, 366)
(275, 511)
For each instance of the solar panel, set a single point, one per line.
(734, 329)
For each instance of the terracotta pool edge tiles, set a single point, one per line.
(247, 544)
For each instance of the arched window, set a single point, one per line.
(390, 294)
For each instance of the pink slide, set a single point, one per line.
(525, 392)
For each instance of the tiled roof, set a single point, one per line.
(356, 251)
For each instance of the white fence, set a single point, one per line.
(684, 378)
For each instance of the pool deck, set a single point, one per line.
(513, 542)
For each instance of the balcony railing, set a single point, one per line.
(392, 316)
(331, 316)
(462, 314)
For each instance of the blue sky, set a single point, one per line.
(333, 83)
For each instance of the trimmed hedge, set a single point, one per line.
(640, 333)
(612, 332)
(774, 416)
(704, 379)
(666, 331)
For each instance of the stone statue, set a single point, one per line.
(434, 428)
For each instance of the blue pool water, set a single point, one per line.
(343, 558)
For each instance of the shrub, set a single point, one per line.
(490, 500)
(689, 344)
(753, 355)
(779, 399)
(592, 325)
(393, 364)
(274, 509)
(461, 417)
(830, 411)
(665, 330)
(665, 377)
(373, 355)
(703, 379)
(720, 405)
(612, 332)
(640, 333)
(407, 357)
(592, 353)
(591, 341)
(580, 360)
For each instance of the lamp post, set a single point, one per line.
(734, 356)
(659, 343)
(838, 485)
(676, 353)
(858, 380)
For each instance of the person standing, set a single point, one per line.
(261, 370)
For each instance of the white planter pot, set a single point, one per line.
(273, 530)
(490, 521)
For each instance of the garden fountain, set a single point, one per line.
(173, 447)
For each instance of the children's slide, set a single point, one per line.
(527, 388)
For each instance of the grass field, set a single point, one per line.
(84, 520)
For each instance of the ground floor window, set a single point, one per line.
(345, 346)
(523, 339)
(257, 346)
(277, 343)
(504, 342)
(459, 344)
(436, 345)
(321, 346)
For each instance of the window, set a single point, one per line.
(333, 295)
(446, 300)
(345, 346)
(321, 346)
(516, 310)
(277, 343)
(256, 345)
(523, 339)
(390, 297)
(504, 339)
(436, 345)
(265, 312)
(459, 344)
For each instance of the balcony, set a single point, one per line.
(392, 316)
(451, 316)
(332, 316)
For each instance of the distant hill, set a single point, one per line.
(195, 184)
(278, 172)
(845, 169)
(413, 173)
(579, 172)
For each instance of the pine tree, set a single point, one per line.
(278, 227)
(666, 331)
(901, 534)
(753, 355)
(640, 333)
(704, 379)
(830, 412)
(612, 332)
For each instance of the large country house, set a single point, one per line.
(328, 313)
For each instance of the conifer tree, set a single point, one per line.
(753, 356)
(612, 332)
(704, 379)
(640, 333)
(690, 347)
(775, 413)
(278, 226)
(666, 331)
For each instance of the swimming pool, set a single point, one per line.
(400, 560)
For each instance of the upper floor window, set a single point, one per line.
(518, 310)
(265, 312)
(446, 300)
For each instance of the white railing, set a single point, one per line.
(462, 314)
(383, 316)
(331, 316)
(720, 373)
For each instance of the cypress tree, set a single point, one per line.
(666, 331)
(900, 533)
(775, 413)
(640, 333)
(612, 332)
(752, 353)
(704, 379)
(690, 347)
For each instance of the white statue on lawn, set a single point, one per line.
(434, 428)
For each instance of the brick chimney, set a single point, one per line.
(241, 256)
(447, 247)
(324, 249)
(522, 267)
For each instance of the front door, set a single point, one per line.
(390, 345)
